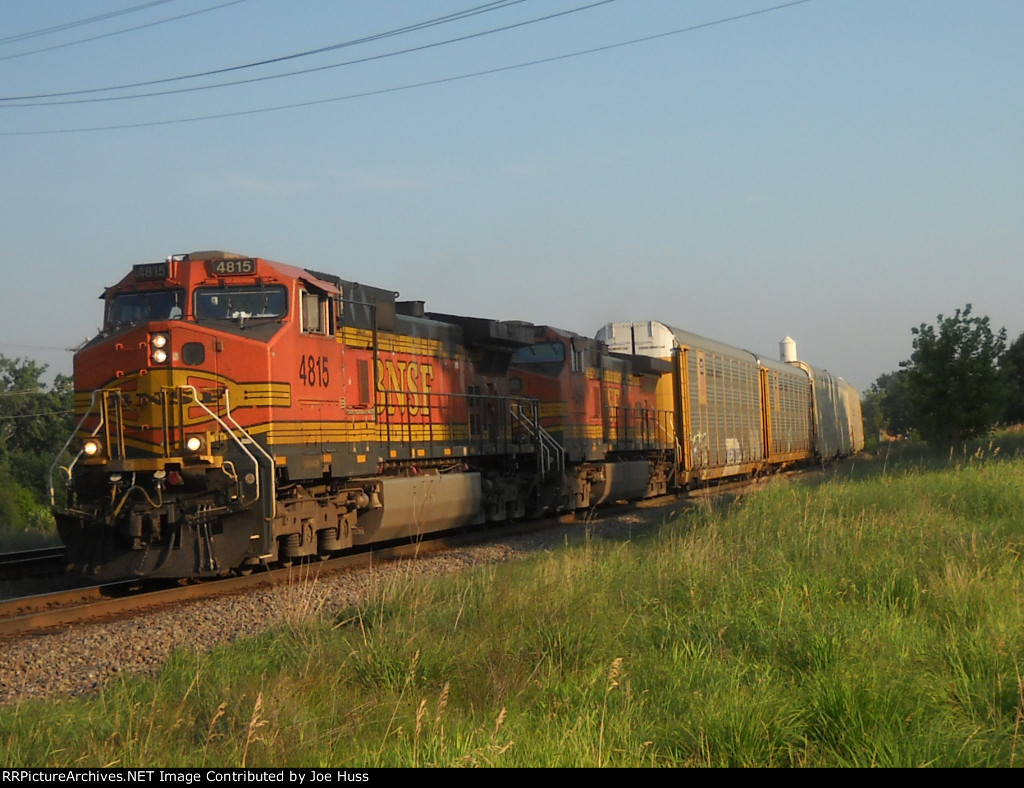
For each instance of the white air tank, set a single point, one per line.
(787, 350)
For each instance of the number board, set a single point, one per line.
(148, 272)
(232, 267)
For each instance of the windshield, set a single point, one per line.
(236, 303)
(539, 354)
(547, 358)
(128, 308)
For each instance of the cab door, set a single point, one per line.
(318, 381)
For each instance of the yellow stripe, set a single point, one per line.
(421, 433)
(589, 433)
(240, 395)
(282, 434)
(390, 343)
(341, 432)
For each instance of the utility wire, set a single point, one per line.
(22, 392)
(120, 32)
(37, 347)
(80, 22)
(396, 89)
(493, 6)
(369, 58)
(38, 415)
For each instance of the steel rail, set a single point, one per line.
(62, 609)
(55, 611)
(22, 563)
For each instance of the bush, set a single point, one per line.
(24, 522)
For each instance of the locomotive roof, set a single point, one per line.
(325, 282)
(484, 331)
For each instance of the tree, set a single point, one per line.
(1013, 368)
(886, 405)
(34, 421)
(953, 380)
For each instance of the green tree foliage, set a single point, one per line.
(35, 421)
(1013, 368)
(887, 407)
(954, 384)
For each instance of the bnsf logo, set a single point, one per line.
(140, 399)
(405, 387)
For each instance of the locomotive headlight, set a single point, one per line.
(194, 444)
(92, 447)
(159, 344)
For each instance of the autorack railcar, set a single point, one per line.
(739, 412)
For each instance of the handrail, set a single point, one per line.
(550, 448)
(99, 407)
(240, 442)
(266, 455)
(470, 416)
(71, 438)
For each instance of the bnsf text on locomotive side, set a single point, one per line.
(407, 385)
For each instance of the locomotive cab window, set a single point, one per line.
(134, 308)
(241, 303)
(577, 359)
(547, 358)
(316, 312)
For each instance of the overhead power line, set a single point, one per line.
(38, 415)
(38, 347)
(411, 86)
(80, 22)
(367, 59)
(122, 31)
(486, 8)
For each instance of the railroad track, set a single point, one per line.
(31, 563)
(62, 609)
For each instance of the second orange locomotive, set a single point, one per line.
(238, 412)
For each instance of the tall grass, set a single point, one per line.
(872, 619)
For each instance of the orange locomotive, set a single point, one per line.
(600, 410)
(237, 412)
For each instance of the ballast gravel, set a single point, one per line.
(82, 660)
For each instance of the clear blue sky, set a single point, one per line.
(836, 170)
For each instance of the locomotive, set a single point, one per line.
(236, 412)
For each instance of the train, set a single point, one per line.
(236, 413)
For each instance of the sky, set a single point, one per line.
(837, 171)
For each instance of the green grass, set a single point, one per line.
(872, 619)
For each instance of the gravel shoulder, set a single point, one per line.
(82, 660)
